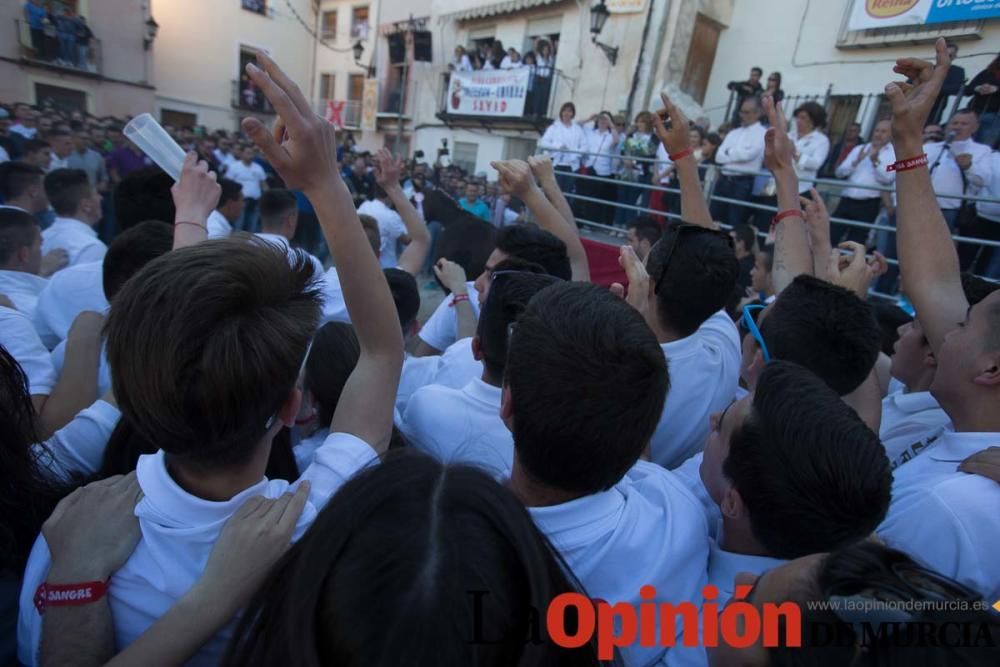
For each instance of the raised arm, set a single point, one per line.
(195, 197)
(387, 170)
(541, 167)
(303, 149)
(928, 261)
(818, 225)
(792, 256)
(677, 141)
(77, 385)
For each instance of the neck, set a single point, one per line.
(494, 380)
(737, 538)
(974, 414)
(220, 486)
(20, 203)
(533, 493)
(664, 334)
(920, 383)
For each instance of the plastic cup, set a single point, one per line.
(148, 135)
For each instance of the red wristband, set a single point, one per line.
(68, 595)
(185, 222)
(683, 154)
(458, 298)
(909, 163)
(790, 213)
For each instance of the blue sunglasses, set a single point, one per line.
(750, 326)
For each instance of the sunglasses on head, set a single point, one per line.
(748, 325)
(685, 229)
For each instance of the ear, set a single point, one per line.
(507, 408)
(732, 506)
(477, 350)
(990, 376)
(290, 410)
(22, 255)
(929, 360)
(756, 366)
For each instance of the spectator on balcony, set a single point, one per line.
(985, 91)
(83, 37)
(61, 145)
(545, 62)
(745, 90)
(843, 148)
(565, 140)
(864, 166)
(473, 204)
(959, 165)
(512, 60)
(461, 62)
(774, 87)
(34, 14)
(602, 144)
(66, 27)
(952, 85)
(638, 144)
(741, 156)
(495, 56)
(50, 41)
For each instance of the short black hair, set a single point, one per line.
(66, 188)
(144, 195)
(405, 294)
(33, 146)
(757, 69)
(17, 230)
(274, 205)
(332, 358)
(16, 177)
(825, 328)
(745, 234)
(588, 381)
(508, 297)
(231, 191)
(701, 276)
(815, 111)
(976, 289)
(133, 249)
(57, 133)
(812, 475)
(767, 252)
(646, 229)
(533, 244)
(890, 317)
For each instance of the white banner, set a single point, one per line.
(488, 93)
(868, 14)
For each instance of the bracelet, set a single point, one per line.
(185, 222)
(909, 163)
(683, 154)
(68, 595)
(458, 298)
(790, 213)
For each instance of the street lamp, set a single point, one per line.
(151, 28)
(359, 50)
(598, 17)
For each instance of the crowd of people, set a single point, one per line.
(58, 34)
(217, 448)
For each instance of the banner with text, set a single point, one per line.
(488, 93)
(869, 14)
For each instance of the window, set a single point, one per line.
(359, 23)
(518, 149)
(464, 155)
(329, 25)
(356, 87)
(181, 119)
(326, 83)
(255, 6)
(62, 99)
(547, 29)
(246, 95)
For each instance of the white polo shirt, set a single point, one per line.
(689, 473)
(646, 529)
(18, 336)
(461, 426)
(218, 226)
(249, 177)
(453, 368)
(78, 447)
(22, 288)
(390, 228)
(78, 239)
(69, 293)
(945, 519)
(441, 330)
(178, 533)
(866, 173)
(908, 419)
(704, 372)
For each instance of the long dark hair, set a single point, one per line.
(28, 493)
(411, 561)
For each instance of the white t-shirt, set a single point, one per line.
(390, 228)
(218, 226)
(441, 330)
(813, 150)
(461, 426)
(18, 336)
(334, 307)
(282, 242)
(178, 533)
(570, 137)
(646, 529)
(250, 177)
(69, 293)
(22, 289)
(454, 368)
(704, 372)
(77, 238)
(907, 421)
(689, 473)
(945, 519)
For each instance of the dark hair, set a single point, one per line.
(405, 294)
(334, 354)
(144, 195)
(57, 133)
(533, 244)
(890, 317)
(231, 191)
(757, 69)
(588, 381)
(745, 234)
(66, 188)
(767, 252)
(646, 229)
(17, 230)
(976, 289)
(701, 276)
(812, 475)
(16, 177)
(230, 321)
(825, 328)
(392, 570)
(714, 138)
(508, 297)
(133, 249)
(567, 105)
(816, 113)
(33, 146)
(274, 205)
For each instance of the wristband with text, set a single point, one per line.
(909, 163)
(789, 213)
(683, 154)
(459, 298)
(68, 595)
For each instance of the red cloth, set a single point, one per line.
(604, 267)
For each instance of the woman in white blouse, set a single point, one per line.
(811, 146)
(602, 147)
(565, 141)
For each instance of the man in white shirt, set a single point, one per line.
(866, 165)
(27, 121)
(989, 222)
(812, 147)
(21, 261)
(21, 186)
(464, 425)
(944, 518)
(78, 208)
(279, 217)
(959, 164)
(740, 156)
(61, 144)
(584, 386)
(229, 210)
(390, 225)
(253, 180)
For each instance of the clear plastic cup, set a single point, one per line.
(148, 135)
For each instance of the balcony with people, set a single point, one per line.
(57, 37)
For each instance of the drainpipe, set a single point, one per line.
(642, 66)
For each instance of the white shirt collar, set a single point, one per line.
(23, 279)
(73, 223)
(913, 402)
(954, 447)
(274, 238)
(580, 521)
(483, 392)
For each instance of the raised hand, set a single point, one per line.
(53, 261)
(638, 282)
(779, 151)
(302, 146)
(541, 166)
(387, 169)
(676, 138)
(197, 193)
(817, 216)
(515, 176)
(912, 102)
(855, 272)
(451, 275)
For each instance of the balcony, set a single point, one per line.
(64, 55)
(247, 97)
(493, 110)
(345, 115)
